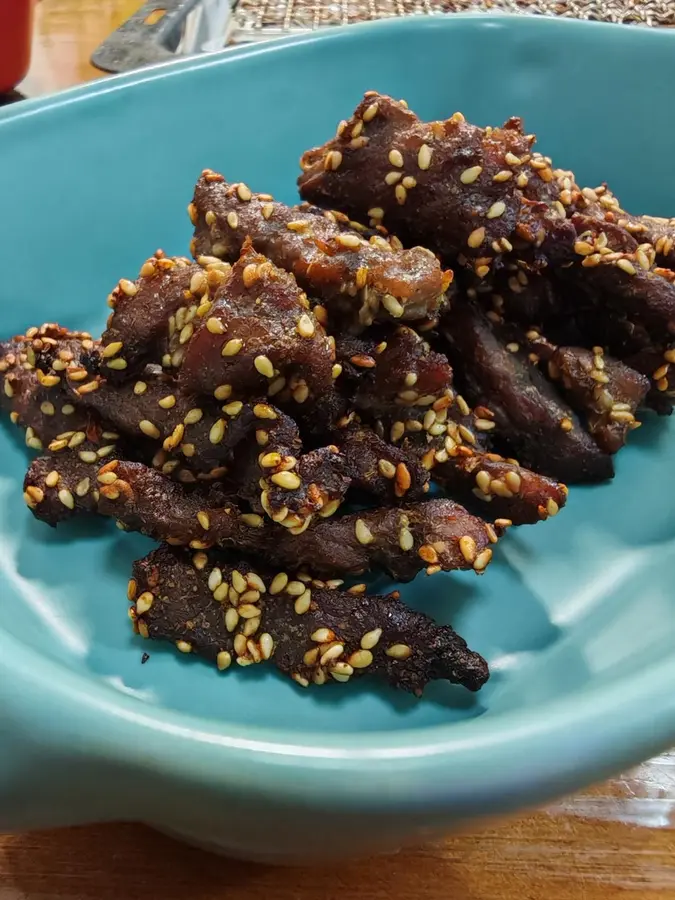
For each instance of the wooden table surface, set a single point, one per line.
(617, 840)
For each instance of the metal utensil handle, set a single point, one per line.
(140, 41)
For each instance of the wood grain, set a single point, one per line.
(618, 840)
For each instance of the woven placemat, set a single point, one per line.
(258, 18)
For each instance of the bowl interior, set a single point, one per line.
(95, 182)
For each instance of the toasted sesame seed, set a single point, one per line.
(392, 178)
(111, 349)
(511, 159)
(370, 112)
(476, 238)
(279, 582)
(244, 192)
(220, 592)
(349, 241)
(82, 487)
(396, 158)
(482, 560)
(215, 326)
(370, 639)
(217, 432)
(295, 588)
(504, 175)
(428, 554)
(305, 326)
(397, 431)
(386, 468)
(303, 603)
(470, 175)
(424, 157)
(167, 402)
(363, 534)
(289, 481)
(266, 645)
(299, 679)
(66, 498)
(128, 287)
(232, 347)
(496, 210)
(399, 651)
(513, 481)
(263, 411)
(233, 408)
(223, 660)
(215, 579)
(264, 365)
(203, 519)
(467, 547)
(626, 266)
(401, 194)
(392, 305)
(406, 541)
(248, 610)
(333, 652)
(144, 602)
(149, 429)
(403, 479)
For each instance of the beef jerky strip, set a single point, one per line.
(389, 376)
(226, 613)
(622, 274)
(34, 390)
(606, 391)
(450, 186)
(516, 495)
(448, 444)
(270, 473)
(155, 315)
(381, 469)
(519, 295)
(255, 446)
(64, 483)
(531, 419)
(400, 541)
(603, 205)
(260, 337)
(359, 280)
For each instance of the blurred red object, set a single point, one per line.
(16, 21)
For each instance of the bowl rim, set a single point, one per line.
(601, 728)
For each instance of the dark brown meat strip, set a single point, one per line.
(385, 377)
(381, 469)
(34, 391)
(227, 613)
(531, 419)
(400, 541)
(514, 494)
(155, 315)
(450, 186)
(64, 483)
(260, 337)
(254, 447)
(359, 280)
(450, 444)
(622, 274)
(605, 390)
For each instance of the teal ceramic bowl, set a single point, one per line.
(576, 616)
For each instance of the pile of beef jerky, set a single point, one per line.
(467, 304)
